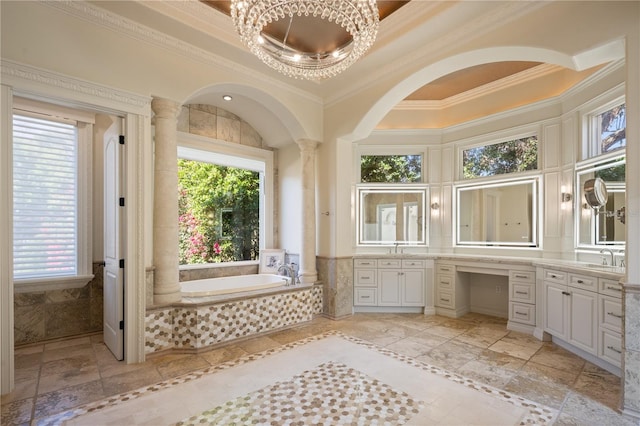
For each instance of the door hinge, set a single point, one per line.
(122, 263)
(122, 325)
(121, 201)
(121, 139)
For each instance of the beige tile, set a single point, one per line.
(287, 336)
(66, 352)
(543, 392)
(68, 397)
(181, 366)
(482, 338)
(599, 385)
(513, 349)
(451, 355)
(16, 412)
(85, 340)
(28, 350)
(129, 381)
(544, 373)
(428, 340)
(258, 344)
(22, 390)
(224, 354)
(409, 347)
(68, 378)
(554, 356)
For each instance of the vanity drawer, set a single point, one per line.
(365, 263)
(413, 264)
(610, 287)
(366, 296)
(522, 292)
(522, 276)
(555, 276)
(522, 313)
(610, 312)
(445, 269)
(610, 348)
(584, 282)
(444, 299)
(389, 263)
(365, 277)
(444, 282)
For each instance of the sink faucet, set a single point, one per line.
(290, 273)
(620, 253)
(604, 260)
(396, 249)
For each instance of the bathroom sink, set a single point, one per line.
(611, 268)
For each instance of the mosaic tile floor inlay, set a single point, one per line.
(332, 393)
(329, 378)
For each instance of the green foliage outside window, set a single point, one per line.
(518, 155)
(391, 168)
(218, 207)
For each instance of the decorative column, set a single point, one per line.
(166, 288)
(308, 272)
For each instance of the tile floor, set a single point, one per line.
(54, 377)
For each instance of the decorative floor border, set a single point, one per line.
(538, 414)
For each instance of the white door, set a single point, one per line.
(113, 242)
(413, 289)
(389, 287)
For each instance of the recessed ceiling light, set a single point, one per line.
(227, 97)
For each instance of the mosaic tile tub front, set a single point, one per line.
(200, 326)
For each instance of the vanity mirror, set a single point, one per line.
(501, 214)
(391, 215)
(601, 204)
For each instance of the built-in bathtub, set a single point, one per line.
(219, 310)
(231, 285)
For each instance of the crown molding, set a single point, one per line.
(24, 77)
(98, 16)
(484, 90)
(507, 12)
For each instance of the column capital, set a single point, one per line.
(307, 144)
(165, 108)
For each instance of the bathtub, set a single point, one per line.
(229, 285)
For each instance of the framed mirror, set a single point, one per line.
(391, 215)
(500, 214)
(601, 205)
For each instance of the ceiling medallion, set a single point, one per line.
(359, 18)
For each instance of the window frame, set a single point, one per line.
(592, 145)
(496, 141)
(84, 121)
(217, 151)
(364, 150)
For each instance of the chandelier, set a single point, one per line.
(359, 18)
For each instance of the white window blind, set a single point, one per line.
(45, 193)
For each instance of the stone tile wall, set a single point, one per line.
(217, 123)
(337, 276)
(52, 314)
(196, 327)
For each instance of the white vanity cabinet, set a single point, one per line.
(610, 321)
(390, 282)
(522, 297)
(452, 294)
(570, 308)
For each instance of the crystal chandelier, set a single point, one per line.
(359, 18)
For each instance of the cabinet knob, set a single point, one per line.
(614, 288)
(566, 293)
(580, 282)
(614, 315)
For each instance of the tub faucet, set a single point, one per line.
(604, 260)
(290, 273)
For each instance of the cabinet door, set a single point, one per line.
(413, 288)
(555, 309)
(389, 287)
(583, 331)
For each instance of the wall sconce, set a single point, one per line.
(435, 205)
(566, 197)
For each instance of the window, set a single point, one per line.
(391, 168)
(610, 129)
(51, 239)
(513, 156)
(219, 213)
(225, 201)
